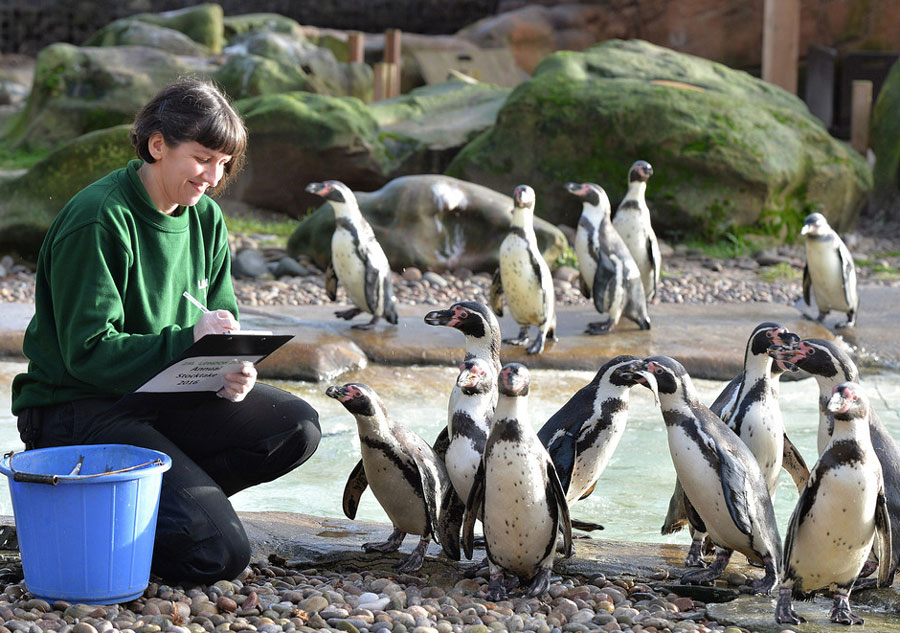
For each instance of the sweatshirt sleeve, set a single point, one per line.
(93, 333)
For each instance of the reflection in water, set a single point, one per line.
(630, 499)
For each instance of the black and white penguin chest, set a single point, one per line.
(394, 479)
(586, 248)
(633, 225)
(527, 284)
(826, 271)
(519, 522)
(469, 427)
(756, 419)
(836, 525)
(353, 251)
(598, 440)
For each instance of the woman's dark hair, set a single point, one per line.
(192, 110)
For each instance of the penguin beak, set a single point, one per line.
(467, 379)
(839, 402)
(317, 188)
(574, 188)
(338, 393)
(639, 374)
(439, 317)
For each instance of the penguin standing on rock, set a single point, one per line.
(632, 221)
(524, 277)
(357, 260)
(840, 513)
(609, 275)
(829, 271)
(720, 476)
(405, 474)
(518, 494)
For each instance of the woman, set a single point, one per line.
(109, 313)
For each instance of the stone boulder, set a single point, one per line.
(885, 137)
(202, 23)
(239, 25)
(132, 32)
(428, 126)
(299, 137)
(727, 149)
(29, 203)
(431, 222)
(82, 89)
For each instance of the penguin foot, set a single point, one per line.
(600, 327)
(414, 561)
(537, 347)
(711, 573)
(841, 613)
(867, 570)
(822, 315)
(846, 324)
(540, 584)
(784, 612)
(476, 570)
(496, 589)
(521, 339)
(347, 314)
(694, 556)
(764, 585)
(367, 326)
(390, 545)
(586, 526)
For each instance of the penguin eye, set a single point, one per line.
(462, 314)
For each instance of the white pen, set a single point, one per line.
(193, 300)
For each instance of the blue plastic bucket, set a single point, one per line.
(86, 537)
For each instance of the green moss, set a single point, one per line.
(779, 272)
(568, 258)
(19, 158)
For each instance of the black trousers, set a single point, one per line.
(217, 448)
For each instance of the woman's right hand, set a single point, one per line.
(215, 322)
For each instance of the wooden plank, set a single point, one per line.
(492, 65)
(781, 43)
(861, 111)
(356, 44)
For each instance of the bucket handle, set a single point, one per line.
(52, 480)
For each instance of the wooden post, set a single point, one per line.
(781, 43)
(393, 57)
(356, 42)
(860, 111)
(382, 80)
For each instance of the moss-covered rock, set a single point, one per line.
(80, 89)
(29, 203)
(427, 127)
(243, 76)
(237, 25)
(203, 23)
(299, 137)
(133, 32)
(429, 221)
(725, 147)
(886, 144)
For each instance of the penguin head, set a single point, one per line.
(640, 171)
(514, 380)
(523, 197)
(472, 318)
(815, 224)
(668, 372)
(590, 193)
(475, 376)
(332, 190)
(818, 357)
(621, 370)
(767, 335)
(357, 398)
(848, 401)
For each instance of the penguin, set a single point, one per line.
(482, 335)
(608, 273)
(523, 277)
(751, 410)
(406, 476)
(583, 435)
(721, 477)
(632, 221)
(841, 512)
(518, 494)
(829, 271)
(357, 260)
(831, 366)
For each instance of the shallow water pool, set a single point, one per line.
(630, 499)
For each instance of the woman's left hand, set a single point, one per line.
(239, 383)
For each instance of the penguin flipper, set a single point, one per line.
(585, 289)
(723, 405)
(603, 279)
(390, 303)
(884, 547)
(442, 443)
(353, 489)
(496, 293)
(693, 518)
(848, 277)
(563, 520)
(474, 507)
(587, 493)
(807, 284)
(434, 480)
(374, 288)
(450, 522)
(655, 260)
(792, 461)
(331, 282)
(677, 514)
(734, 486)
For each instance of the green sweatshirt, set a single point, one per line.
(109, 310)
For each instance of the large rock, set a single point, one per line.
(29, 203)
(297, 138)
(202, 23)
(886, 144)
(726, 148)
(133, 32)
(428, 126)
(80, 89)
(237, 25)
(431, 222)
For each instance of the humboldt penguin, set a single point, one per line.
(406, 476)
(751, 410)
(609, 275)
(357, 260)
(841, 512)
(632, 221)
(583, 435)
(830, 366)
(720, 476)
(523, 277)
(518, 494)
(829, 271)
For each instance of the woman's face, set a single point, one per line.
(185, 171)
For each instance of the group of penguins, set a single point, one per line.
(490, 465)
(618, 259)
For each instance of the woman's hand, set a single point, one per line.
(215, 322)
(238, 384)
